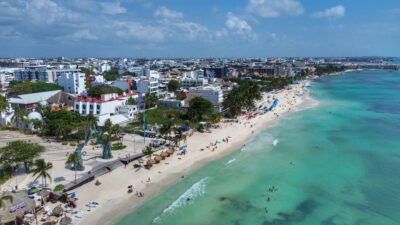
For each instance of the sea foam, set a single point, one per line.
(275, 142)
(196, 190)
(230, 161)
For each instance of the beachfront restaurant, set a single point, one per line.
(18, 210)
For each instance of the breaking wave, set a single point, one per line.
(196, 190)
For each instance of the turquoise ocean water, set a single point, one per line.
(335, 164)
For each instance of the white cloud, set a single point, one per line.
(191, 30)
(82, 34)
(72, 21)
(239, 26)
(112, 8)
(221, 33)
(129, 30)
(334, 12)
(275, 8)
(165, 13)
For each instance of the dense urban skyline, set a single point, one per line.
(206, 28)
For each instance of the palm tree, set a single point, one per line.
(148, 152)
(179, 136)
(37, 124)
(91, 120)
(41, 170)
(3, 104)
(150, 100)
(39, 108)
(165, 130)
(72, 159)
(18, 116)
(3, 198)
(216, 117)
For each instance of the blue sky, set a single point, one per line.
(199, 28)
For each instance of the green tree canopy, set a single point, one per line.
(112, 74)
(173, 85)
(61, 123)
(131, 101)
(87, 71)
(20, 152)
(98, 90)
(241, 96)
(28, 87)
(110, 132)
(198, 107)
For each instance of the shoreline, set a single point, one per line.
(114, 201)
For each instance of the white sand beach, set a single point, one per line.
(112, 193)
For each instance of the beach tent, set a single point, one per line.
(185, 128)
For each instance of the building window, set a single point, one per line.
(98, 106)
(77, 107)
(91, 107)
(84, 107)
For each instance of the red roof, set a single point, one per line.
(98, 100)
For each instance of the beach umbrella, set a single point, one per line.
(150, 162)
(157, 158)
(58, 211)
(65, 220)
(170, 151)
(164, 154)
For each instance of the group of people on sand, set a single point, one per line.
(138, 194)
(214, 145)
(271, 189)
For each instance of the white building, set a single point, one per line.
(152, 74)
(107, 104)
(194, 74)
(40, 73)
(96, 80)
(211, 93)
(5, 78)
(104, 68)
(72, 82)
(147, 86)
(193, 82)
(129, 111)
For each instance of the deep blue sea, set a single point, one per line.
(334, 164)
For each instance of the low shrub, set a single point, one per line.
(59, 187)
(117, 146)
